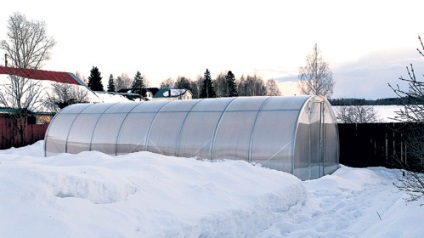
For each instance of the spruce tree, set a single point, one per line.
(111, 84)
(137, 84)
(207, 90)
(231, 89)
(95, 80)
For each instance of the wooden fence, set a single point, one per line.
(10, 136)
(373, 144)
(361, 145)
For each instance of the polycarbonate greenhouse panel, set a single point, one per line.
(232, 139)
(132, 136)
(58, 133)
(105, 133)
(121, 108)
(284, 103)
(247, 104)
(164, 132)
(152, 107)
(81, 132)
(233, 135)
(265, 148)
(195, 142)
(175, 106)
(213, 105)
(331, 141)
(292, 134)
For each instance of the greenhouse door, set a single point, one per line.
(317, 140)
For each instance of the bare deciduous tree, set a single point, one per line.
(168, 83)
(195, 86)
(123, 81)
(272, 88)
(27, 44)
(81, 77)
(356, 114)
(64, 94)
(22, 94)
(412, 180)
(251, 85)
(219, 84)
(316, 77)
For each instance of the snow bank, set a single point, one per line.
(138, 195)
(148, 195)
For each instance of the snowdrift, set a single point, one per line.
(92, 194)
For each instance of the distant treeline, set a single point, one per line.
(361, 101)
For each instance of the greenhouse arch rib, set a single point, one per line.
(120, 128)
(212, 148)
(253, 129)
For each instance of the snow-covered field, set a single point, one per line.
(385, 113)
(148, 195)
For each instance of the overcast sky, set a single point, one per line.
(367, 43)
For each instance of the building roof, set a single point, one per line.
(153, 90)
(127, 92)
(166, 93)
(8, 110)
(60, 77)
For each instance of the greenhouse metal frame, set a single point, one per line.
(293, 134)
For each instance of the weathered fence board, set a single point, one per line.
(10, 136)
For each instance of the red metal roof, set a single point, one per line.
(60, 77)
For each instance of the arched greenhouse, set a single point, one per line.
(292, 134)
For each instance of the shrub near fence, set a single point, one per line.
(11, 138)
(373, 144)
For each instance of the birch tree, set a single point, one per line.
(272, 88)
(316, 77)
(28, 47)
(27, 44)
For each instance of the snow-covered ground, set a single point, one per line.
(148, 195)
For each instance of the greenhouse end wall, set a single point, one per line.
(292, 134)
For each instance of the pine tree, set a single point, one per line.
(137, 84)
(207, 90)
(95, 80)
(111, 84)
(231, 89)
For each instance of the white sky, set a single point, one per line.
(366, 43)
